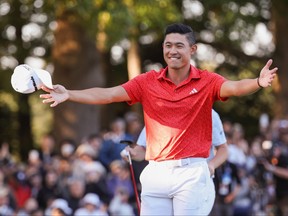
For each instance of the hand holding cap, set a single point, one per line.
(26, 79)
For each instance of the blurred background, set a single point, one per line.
(104, 43)
(88, 43)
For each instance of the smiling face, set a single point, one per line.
(177, 51)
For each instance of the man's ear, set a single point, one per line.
(193, 49)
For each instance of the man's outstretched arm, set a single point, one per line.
(87, 96)
(249, 86)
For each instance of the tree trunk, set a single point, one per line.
(280, 19)
(133, 60)
(77, 66)
(134, 68)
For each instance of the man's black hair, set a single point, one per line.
(181, 29)
(178, 28)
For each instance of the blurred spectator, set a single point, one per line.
(279, 168)
(49, 190)
(111, 147)
(4, 184)
(227, 186)
(243, 204)
(227, 126)
(119, 178)
(117, 131)
(134, 124)
(58, 207)
(5, 208)
(255, 154)
(239, 138)
(120, 204)
(85, 154)
(95, 181)
(35, 181)
(67, 148)
(91, 206)
(260, 185)
(47, 149)
(64, 172)
(76, 191)
(282, 139)
(31, 208)
(95, 141)
(20, 187)
(34, 161)
(235, 154)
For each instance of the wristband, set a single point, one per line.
(259, 83)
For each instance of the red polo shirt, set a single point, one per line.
(177, 118)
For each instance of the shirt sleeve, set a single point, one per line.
(142, 138)
(134, 88)
(218, 135)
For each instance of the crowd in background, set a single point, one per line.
(247, 183)
(91, 178)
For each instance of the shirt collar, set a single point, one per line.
(194, 74)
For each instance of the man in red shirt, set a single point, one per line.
(177, 103)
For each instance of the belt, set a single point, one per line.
(179, 162)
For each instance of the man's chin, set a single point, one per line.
(174, 66)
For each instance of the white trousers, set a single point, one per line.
(177, 188)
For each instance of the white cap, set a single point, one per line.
(27, 80)
(91, 198)
(85, 148)
(61, 204)
(94, 166)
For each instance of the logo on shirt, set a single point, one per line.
(193, 91)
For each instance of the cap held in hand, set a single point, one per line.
(26, 79)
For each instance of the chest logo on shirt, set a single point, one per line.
(193, 91)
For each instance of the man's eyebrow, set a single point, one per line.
(176, 43)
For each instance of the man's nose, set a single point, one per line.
(173, 49)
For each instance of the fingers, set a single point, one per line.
(44, 88)
(45, 96)
(267, 75)
(274, 70)
(269, 63)
(54, 104)
(49, 100)
(272, 77)
(51, 96)
(128, 149)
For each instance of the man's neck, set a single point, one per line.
(177, 76)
